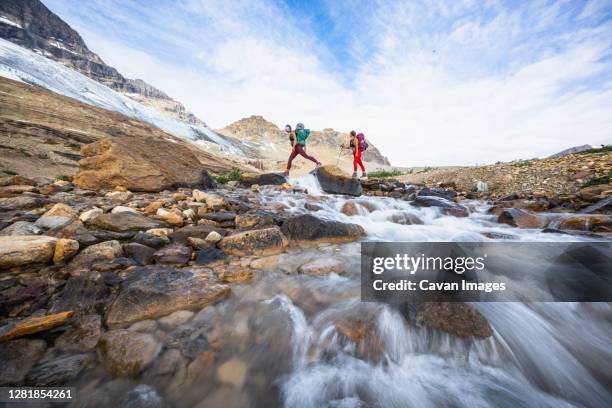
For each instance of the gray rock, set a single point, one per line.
(152, 292)
(21, 228)
(447, 207)
(20, 203)
(274, 179)
(57, 372)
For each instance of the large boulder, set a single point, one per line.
(139, 164)
(26, 249)
(123, 222)
(267, 241)
(335, 181)
(126, 352)
(516, 217)
(275, 179)
(152, 292)
(307, 227)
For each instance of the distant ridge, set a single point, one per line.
(571, 150)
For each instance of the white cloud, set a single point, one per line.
(495, 85)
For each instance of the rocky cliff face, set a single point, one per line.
(31, 25)
(269, 141)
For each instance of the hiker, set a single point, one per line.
(358, 144)
(298, 138)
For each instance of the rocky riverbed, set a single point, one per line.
(248, 295)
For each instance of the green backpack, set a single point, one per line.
(302, 135)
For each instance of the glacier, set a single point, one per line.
(21, 64)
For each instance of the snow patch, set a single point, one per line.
(5, 20)
(24, 65)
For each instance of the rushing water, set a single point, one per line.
(286, 330)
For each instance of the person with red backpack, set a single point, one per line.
(297, 138)
(358, 144)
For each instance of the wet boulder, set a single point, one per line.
(323, 266)
(308, 228)
(123, 222)
(17, 357)
(335, 181)
(126, 352)
(516, 217)
(602, 206)
(446, 206)
(437, 192)
(58, 371)
(459, 319)
(264, 179)
(585, 222)
(267, 241)
(151, 292)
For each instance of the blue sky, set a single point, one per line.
(431, 83)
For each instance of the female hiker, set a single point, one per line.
(298, 144)
(358, 144)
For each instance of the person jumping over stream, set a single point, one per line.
(297, 138)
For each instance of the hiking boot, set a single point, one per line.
(364, 175)
(319, 164)
(355, 174)
(286, 173)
